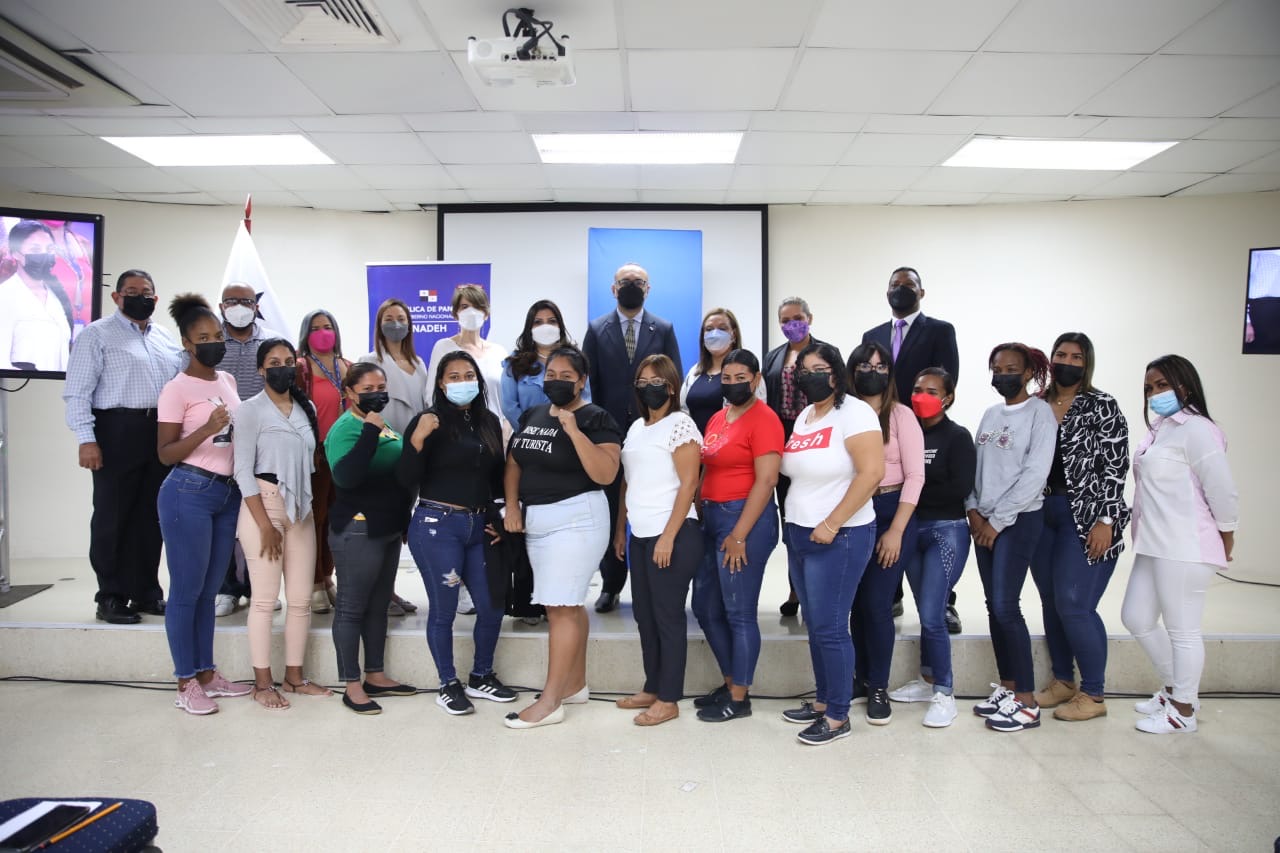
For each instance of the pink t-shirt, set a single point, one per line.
(189, 401)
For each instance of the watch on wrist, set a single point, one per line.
(1107, 520)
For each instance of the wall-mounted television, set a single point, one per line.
(50, 272)
(1262, 303)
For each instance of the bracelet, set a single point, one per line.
(828, 526)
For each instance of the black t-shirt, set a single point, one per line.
(950, 463)
(704, 399)
(1057, 481)
(463, 471)
(550, 469)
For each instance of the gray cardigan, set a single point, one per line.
(265, 441)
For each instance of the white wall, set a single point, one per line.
(1142, 277)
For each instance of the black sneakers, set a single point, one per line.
(803, 715)
(878, 710)
(454, 700)
(489, 687)
(859, 693)
(821, 733)
(715, 697)
(725, 711)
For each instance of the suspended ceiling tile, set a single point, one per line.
(515, 177)
(702, 177)
(1146, 184)
(579, 122)
(1151, 129)
(223, 85)
(900, 149)
(345, 199)
(360, 83)
(307, 178)
(473, 120)
(1017, 84)
(964, 179)
(599, 87)
(127, 126)
(141, 25)
(81, 151)
(481, 147)
(921, 25)
(52, 181)
(270, 198)
(778, 177)
(854, 196)
(782, 121)
(872, 178)
(425, 195)
(576, 176)
(707, 79)
(694, 122)
(1014, 198)
(1235, 27)
(1206, 156)
(405, 177)
(589, 196)
(767, 196)
(352, 124)
(1266, 105)
(1234, 183)
(223, 179)
(13, 158)
(373, 148)
(688, 196)
(871, 81)
(1057, 181)
(28, 125)
(511, 196)
(128, 180)
(714, 23)
(1263, 165)
(174, 198)
(921, 124)
(590, 26)
(1243, 128)
(922, 198)
(1186, 86)
(818, 149)
(1096, 26)
(1038, 127)
(239, 126)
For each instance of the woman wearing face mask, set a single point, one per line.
(370, 515)
(661, 459)
(453, 460)
(522, 373)
(393, 351)
(276, 436)
(562, 456)
(700, 395)
(894, 503)
(198, 501)
(1084, 517)
(836, 459)
(942, 541)
(742, 452)
(1185, 513)
(471, 309)
(783, 393)
(1015, 451)
(321, 370)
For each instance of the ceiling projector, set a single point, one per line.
(528, 53)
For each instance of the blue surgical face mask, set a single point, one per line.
(462, 393)
(1165, 403)
(716, 340)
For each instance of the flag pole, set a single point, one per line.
(248, 213)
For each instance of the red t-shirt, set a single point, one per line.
(729, 451)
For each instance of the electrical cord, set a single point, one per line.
(24, 384)
(1227, 577)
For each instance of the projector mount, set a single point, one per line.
(527, 28)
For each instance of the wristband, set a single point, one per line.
(828, 526)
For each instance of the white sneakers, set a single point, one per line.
(1167, 721)
(916, 690)
(1157, 703)
(942, 711)
(224, 605)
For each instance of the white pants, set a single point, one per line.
(1172, 592)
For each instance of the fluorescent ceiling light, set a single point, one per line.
(643, 149)
(289, 149)
(1002, 152)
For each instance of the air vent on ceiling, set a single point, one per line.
(322, 23)
(34, 76)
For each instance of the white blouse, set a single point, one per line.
(648, 460)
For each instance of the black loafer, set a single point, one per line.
(789, 608)
(953, 620)
(715, 697)
(897, 608)
(726, 711)
(368, 708)
(398, 690)
(116, 612)
(154, 607)
(606, 602)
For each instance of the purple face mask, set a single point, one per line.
(796, 330)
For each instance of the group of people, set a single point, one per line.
(605, 458)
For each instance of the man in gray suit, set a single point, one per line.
(614, 345)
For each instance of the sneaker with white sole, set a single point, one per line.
(991, 704)
(1167, 721)
(454, 700)
(320, 601)
(224, 605)
(219, 686)
(1014, 716)
(194, 700)
(489, 687)
(466, 607)
(1157, 703)
(917, 690)
(942, 711)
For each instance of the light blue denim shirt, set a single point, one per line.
(519, 395)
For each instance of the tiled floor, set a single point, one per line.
(317, 778)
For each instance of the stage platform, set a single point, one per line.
(54, 634)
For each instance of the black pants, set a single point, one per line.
(613, 572)
(366, 569)
(658, 604)
(124, 532)
(231, 582)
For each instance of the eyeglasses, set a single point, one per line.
(247, 303)
(150, 294)
(652, 383)
(882, 369)
(639, 282)
(804, 373)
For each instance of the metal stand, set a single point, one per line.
(4, 494)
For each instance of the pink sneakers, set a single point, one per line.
(194, 700)
(219, 686)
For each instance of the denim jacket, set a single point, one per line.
(525, 392)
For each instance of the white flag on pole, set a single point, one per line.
(245, 267)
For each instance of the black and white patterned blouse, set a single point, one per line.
(1094, 442)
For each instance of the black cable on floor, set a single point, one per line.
(1228, 577)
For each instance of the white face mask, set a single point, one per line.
(471, 319)
(239, 316)
(546, 335)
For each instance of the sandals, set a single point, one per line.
(290, 687)
(284, 703)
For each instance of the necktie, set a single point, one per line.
(898, 326)
(630, 340)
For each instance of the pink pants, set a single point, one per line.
(296, 563)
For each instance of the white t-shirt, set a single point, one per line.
(820, 466)
(650, 467)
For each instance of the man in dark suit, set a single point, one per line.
(916, 342)
(614, 345)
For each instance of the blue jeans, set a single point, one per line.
(1003, 570)
(942, 547)
(448, 546)
(825, 578)
(198, 522)
(726, 603)
(1070, 590)
(871, 617)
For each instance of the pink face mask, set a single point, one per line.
(322, 340)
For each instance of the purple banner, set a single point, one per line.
(427, 288)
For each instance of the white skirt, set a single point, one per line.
(565, 541)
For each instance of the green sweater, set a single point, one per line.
(363, 459)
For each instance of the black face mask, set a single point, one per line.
(654, 396)
(1008, 385)
(816, 387)
(560, 391)
(211, 354)
(736, 393)
(138, 307)
(280, 379)
(870, 384)
(630, 296)
(374, 401)
(39, 265)
(1067, 375)
(902, 298)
